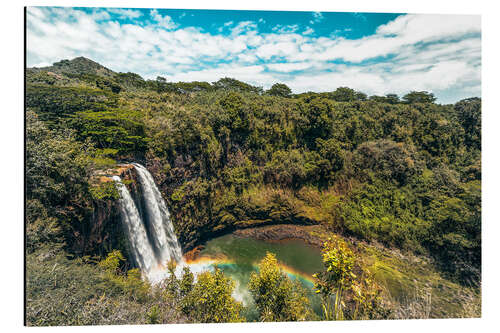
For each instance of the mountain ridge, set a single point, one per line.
(78, 65)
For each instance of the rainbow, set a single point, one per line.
(202, 263)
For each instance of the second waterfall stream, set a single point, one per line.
(148, 226)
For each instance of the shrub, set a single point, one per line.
(276, 296)
(344, 294)
(210, 300)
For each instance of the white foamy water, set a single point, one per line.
(142, 252)
(151, 234)
(158, 217)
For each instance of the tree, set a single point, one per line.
(344, 94)
(119, 129)
(279, 89)
(389, 159)
(209, 299)
(344, 294)
(170, 284)
(112, 262)
(389, 98)
(360, 96)
(233, 115)
(103, 83)
(276, 296)
(378, 99)
(292, 168)
(161, 84)
(187, 281)
(131, 282)
(469, 114)
(58, 199)
(419, 97)
(235, 85)
(318, 114)
(455, 235)
(392, 98)
(338, 276)
(331, 150)
(55, 104)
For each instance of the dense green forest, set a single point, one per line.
(401, 172)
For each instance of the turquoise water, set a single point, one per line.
(239, 257)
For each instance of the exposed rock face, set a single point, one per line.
(196, 218)
(104, 230)
(100, 232)
(282, 232)
(193, 254)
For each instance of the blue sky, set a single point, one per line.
(309, 51)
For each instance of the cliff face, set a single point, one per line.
(201, 210)
(103, 230)
(106, 232)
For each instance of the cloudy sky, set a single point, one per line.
(308, 51)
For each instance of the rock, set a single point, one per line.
(282, 232)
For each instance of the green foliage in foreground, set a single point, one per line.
(208, 300)
(63, 292)
(346, 295)
(276, 296)
(129, 283)
(79, 292)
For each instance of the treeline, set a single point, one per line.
(404, 172)
(82, 70)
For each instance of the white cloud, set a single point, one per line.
(163, 21)
(317, 17)
(440, 53)
(285, 29)
(100, 15)
(243, 27)
(246, 58)
(405, 30)
(289, 66)
(125, 13)
(360, 16)
(308, 31)
(42, 64)
(282, 49)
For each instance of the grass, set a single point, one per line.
(416, 288)
(63, 292)
(413, 287)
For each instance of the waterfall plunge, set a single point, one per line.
(151, 235)
(142, 252)
(160, 226)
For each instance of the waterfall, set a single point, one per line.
(164, 240)
(142, 252)
(150, 231)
